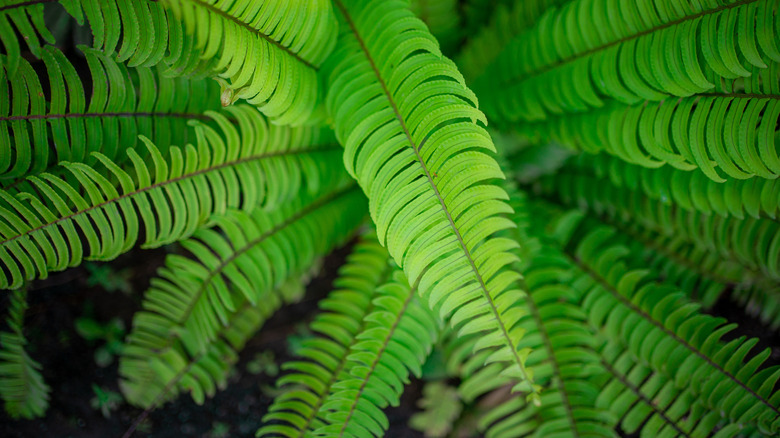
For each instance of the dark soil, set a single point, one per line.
(69, 366)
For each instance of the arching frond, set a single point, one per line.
(231, 168)
(723, 136)
(650, 403)
(24, 393)
(422, 158)
(562, 345)
(751, 242)
(124, 104)
(661, 328)
(244, 259)
(580, 55)
(266, 53)
(396, 340)
(163, 374)
(307, 385)
(138, 31)
(690, 190)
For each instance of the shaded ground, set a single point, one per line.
(69, 365)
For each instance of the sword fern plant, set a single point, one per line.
(563, 297)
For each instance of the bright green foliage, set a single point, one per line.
(660, 327)
(563, 354)
(432, 205)
(647, 131)
(193, 299)
(294, 413)
(264, 52)
(395, 341)
(121, 107)
(147, 34)
(751, 243)
(584, 52)
(24, 393)
(229, 167)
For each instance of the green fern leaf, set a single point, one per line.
(396, 340)
(161, 375)
(727, 135)
(228, 169)
(109, 123)
(421, 158)
(288, 39)
(562, 345)
(580, 55)
(22, 388)
(294, 412)
(666, 331)
(148, 36)
(193, 299)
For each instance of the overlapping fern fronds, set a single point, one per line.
(412, 138)
(22, 389)
(266, 53)
(236, 265)
(124, 104)
(148, 35)
(580, 55)
(230, 166)
(395, 341)
(325, 358)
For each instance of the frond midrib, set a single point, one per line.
(165, 183)
(637, 392)
(419, 159)
(342, 362)
(378, 356)
(553, 360)
(572, 58)
(267, 38)
(623, 300)
(249, 245)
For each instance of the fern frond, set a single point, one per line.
(110, 122)
(661, 328)
(421, 158)
(148, 35)
(231, 168)
(396, 340)
(294, 412)
(690, 190)
(193, 299)
(562, 346)
(162, 374)
(288, 39)
(723, 136)
(752, 243)
(22, 388)
(649, 403)
(507, 21)
(440, 406)
(580, 55)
